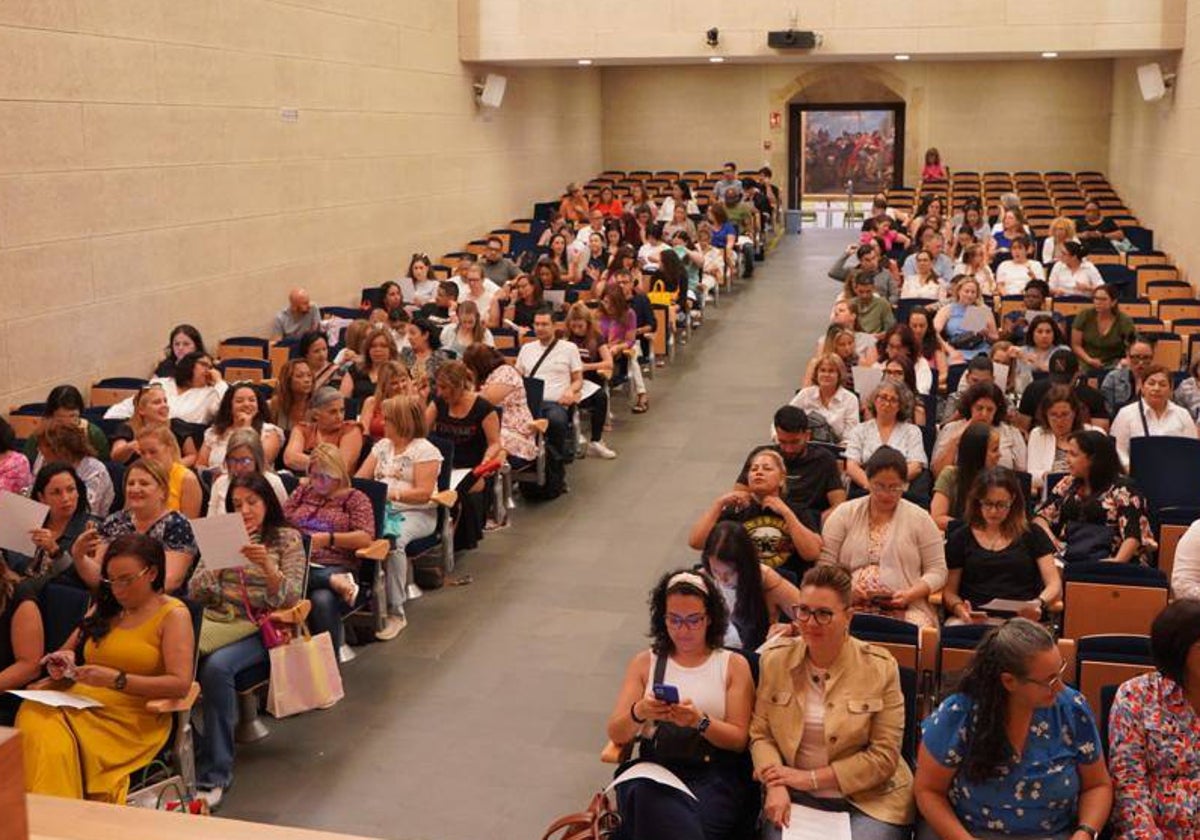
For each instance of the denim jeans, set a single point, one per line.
(558, 436)
(417, 524)
(214, 748)
(327, 606)
(862, 827)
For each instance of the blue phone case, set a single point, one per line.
(666, 693)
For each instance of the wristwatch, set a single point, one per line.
(702, 726)
(1088, 830)
(120, 680)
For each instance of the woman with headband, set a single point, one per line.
(688, 702)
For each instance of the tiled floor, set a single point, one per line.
(486, 717)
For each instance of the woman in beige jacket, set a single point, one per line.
(829, 720)
(892, 548)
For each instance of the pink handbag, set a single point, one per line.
(304, 675)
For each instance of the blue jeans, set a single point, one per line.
(558, 436)
(327, 606)
(214, 749)
(924, 832)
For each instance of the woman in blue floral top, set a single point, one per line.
(1155, 734)
(1015, 753)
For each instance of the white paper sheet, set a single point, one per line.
(653, 772)
(1000, 372)
(811, 824)
(975, 319)
(1004, 605)
(589, 388)
(19, 516)
(866, 379)
(59, 699)
(456, 476)
(558, 297)
(221, 539)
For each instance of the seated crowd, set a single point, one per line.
(941, 469)
(376, 431)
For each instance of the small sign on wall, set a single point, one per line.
(776, 120)
(768, 145)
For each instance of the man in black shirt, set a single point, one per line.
(813, 484)
(1064, 370)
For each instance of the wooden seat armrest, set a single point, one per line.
(445, 498)
(170, 705)
(296, 614)
(540, 425)
(616, 753)
(377, 551)
(935, 598)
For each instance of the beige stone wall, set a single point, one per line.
(856, 30)
(1155, 150)
(147, 176)
(981, 115)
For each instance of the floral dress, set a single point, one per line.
(1121, 507)
(1155, 736)
(1036, 793)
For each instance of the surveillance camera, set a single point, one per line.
(713, 37)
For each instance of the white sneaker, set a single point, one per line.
(598, 449)
(211, 797)
(393, 626)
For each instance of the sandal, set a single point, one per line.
(643, 405)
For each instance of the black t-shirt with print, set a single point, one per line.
(766, 529)
(811, 476)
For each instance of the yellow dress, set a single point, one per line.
(89, 753)
(175, 486)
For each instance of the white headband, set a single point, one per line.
(689, 578)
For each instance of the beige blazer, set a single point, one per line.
(864, 724)
(918, 547)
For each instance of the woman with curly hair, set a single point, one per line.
(689, 702)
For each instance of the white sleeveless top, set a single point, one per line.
(704, 685)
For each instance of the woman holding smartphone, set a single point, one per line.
(688, 701)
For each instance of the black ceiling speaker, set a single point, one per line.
(792, 39)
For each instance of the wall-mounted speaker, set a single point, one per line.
(1153, 82)
(490, 92)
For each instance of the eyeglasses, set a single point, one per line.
(888, 398)
(240, 462)
(322, 476)
(1050, 683)
(889, 489)
(124, 580)
(691, 622)
(821, 615)
(988, 504)
(1140, 357)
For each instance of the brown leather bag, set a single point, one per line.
(599, 822)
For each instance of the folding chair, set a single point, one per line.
(1105, 661)
(243, 347)
(249, 370)
(915, 650)
(1146, 256)
(112, 390)
(1103, 598)
(1140, 308)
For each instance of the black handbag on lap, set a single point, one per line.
(673, 745)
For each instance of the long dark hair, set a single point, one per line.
(714, 607)
(55, 468)
(928, 344)
(1004, 650)
(482, 359)
(672, 272)
(431, 333)
(1105, 467)
(224, 418)
(185, 368)
(729, 543)
(149, 551)
(8, 438)
(63, 396)
(168, 361)
(259, 486)
(972, 460)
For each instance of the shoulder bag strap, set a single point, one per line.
(1142, 414)
(542, 358)
(660, 669)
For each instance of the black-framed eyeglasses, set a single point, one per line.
(802, 614)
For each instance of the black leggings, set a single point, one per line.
(597, 406)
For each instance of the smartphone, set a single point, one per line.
(666, 693)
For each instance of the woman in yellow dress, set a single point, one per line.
(135, 644)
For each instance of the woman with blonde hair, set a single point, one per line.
(1062, 231)
(408, 464)
(394, 379)
(150, 408)
(339, 521)
(469, 330)
(829, 397)
(184, 493)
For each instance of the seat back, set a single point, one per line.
(1107, 660)
(112, 390)
(25, 419)
(534, 391)
(243, 347)
(245, 369)
(1168, 540)
(62, 608)
(1164, 469)
(1101, 598)
(956, 647)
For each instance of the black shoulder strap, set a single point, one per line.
(1142, 414)
(542, 358)
(660, 669)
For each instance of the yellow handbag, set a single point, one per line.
(659, 296)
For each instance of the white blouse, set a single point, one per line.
(1011, 277)
(195, 405)
(1082, 281)
(914, 288)
(841, 414)
(1175, 421)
